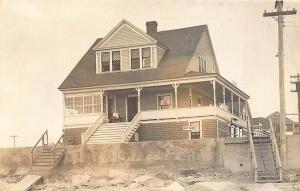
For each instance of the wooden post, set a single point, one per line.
(139, 89)
(239, 106)
(231, 102)
(214, 88)
(175, 86)
(101, 103)
(224, 98)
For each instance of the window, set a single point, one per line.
(146, 57)
(135, 58)
(164, 101)
(96, 104)
(196, 132)
(78, 105)
(88, 104)
(116, 60)
(81, 105)
(69, 106)
(202, 64)
(105, 61)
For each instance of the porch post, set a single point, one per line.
(224, 101)
(139, 89)
(175, 86)
(239, 106)
(214, 87)
(101, 103)
(231, 102)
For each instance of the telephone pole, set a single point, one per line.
(297, 90)
(278, 16)
(14, 137)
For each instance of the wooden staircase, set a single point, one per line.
(266, 161)
(42, 163)
(44, 159)
(108, 133)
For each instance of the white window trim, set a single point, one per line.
(141, 57)
(82, 95)
(166, 94)
(204, 68)
(99, 68)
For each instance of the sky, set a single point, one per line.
(41, 42)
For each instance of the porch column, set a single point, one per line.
(101, 103)
(139, 89)
(214, 88)
(231, 102)
(175, 86)
(239, 106)
(224, 101)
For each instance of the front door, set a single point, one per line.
(132, 107)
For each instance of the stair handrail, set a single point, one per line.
(43, 138)
(275, 149)
(89, 132)
(131, 125)
(54, 147)
(249, 125)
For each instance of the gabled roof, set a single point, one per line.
(276, 115)
(263, 121)
(136, 31)
(181, 44)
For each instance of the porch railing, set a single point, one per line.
(89, 132)
(275, 150)
(133, 125)
(44, 140)
(59, 141)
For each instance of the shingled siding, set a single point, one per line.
(125, 60)
(223, 130)
(124, 37)
(73, 136)
(209, 128)
(162, 131)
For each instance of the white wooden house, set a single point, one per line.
(133, 85)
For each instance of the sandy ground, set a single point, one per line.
(142, 180)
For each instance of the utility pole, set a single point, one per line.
(297, 90)
(14, 137)
(278, 16)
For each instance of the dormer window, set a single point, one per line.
(140, 58)
(146, 57)
(116, 60)
(202, 64)
(105, 61)
(135, 58)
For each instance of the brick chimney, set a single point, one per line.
(151, 27)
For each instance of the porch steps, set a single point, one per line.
(108, 133)
(266, 164)
(42, 163)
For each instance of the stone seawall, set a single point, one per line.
(179, 154)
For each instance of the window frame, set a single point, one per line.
(99, 61)
(157, 100)
(69, 113)
(130, 53)
(202, 64)
(141, 57)
(146, 57)
(120, 52)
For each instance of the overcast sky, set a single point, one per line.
(41, 41)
